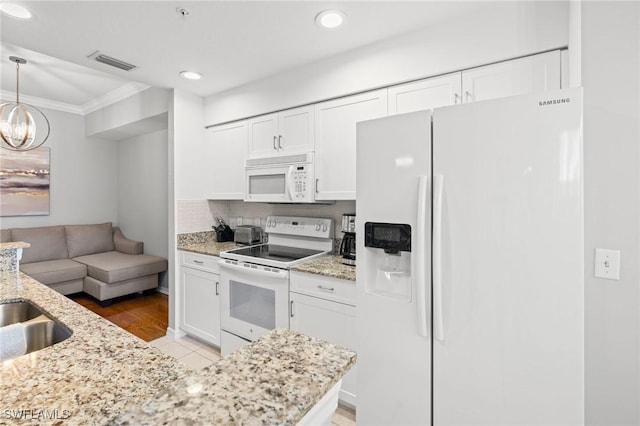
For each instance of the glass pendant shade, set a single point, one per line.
(23, 127)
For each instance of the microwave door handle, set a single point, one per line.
(290, 183)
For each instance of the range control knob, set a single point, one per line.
(317, 227)
(324, 227)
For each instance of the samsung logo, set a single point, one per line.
(554, 101)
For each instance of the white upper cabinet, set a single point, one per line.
(227, 145)
(282, 133)
(263, 136)
(425, 94)
(516, 77)
(535, 73)
(336, 141)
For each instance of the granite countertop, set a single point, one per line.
(104, 375)
(330, 266)
(274, 380)
(98, 372)
(204, 243)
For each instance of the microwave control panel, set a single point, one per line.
(301, 185)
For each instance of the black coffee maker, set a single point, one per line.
(348, 246)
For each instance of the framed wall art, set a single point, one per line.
(24, 182)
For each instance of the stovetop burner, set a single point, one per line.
(275, 252)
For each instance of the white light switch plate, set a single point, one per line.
(607, 264)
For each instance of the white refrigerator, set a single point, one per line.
(470, 307)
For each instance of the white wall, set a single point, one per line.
(189, 146)
(503, 31)
(611, 79)
(140, 113)
(186, 136)
(83, 176)
(142, 192)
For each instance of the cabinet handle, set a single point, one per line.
(467, 95)
(455, 98)
(321, 287)
(279, 141)
(275, 146)
(291, 308)
(199, 262)
(317, 179)
(217, 285)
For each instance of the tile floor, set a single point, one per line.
(189, 351)
(197, 355)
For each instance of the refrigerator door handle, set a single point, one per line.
(438, 325)
(420, 255)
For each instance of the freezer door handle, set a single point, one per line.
(438, 326)
(421, 259)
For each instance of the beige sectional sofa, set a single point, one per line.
(97, 259)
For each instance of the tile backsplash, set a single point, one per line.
(199, 215)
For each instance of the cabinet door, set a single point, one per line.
(535, 73)
(295, 130)
(228, 147)
(425, 94)
(263, 136)
(201, 304)
(336, 141)
(330, 321)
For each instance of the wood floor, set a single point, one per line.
(146, 316)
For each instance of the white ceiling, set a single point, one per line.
(231, 43)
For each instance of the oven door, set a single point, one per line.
(253, 299)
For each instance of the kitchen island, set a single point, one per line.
(104, 375)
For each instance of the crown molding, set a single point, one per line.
(114, 96)
(42, 103)
(109, 98)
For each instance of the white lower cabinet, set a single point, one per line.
(316, 313)
(200, 297)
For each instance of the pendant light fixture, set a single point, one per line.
(23, 127)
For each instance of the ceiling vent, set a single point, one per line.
(108, 60)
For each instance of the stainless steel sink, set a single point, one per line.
(40, 329)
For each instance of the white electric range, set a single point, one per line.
(254, 280)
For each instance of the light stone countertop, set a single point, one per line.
(104, 375)
(203, 243)
(100, 371)
(272, 381)
(329, 265)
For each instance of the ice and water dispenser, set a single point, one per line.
(389, 263)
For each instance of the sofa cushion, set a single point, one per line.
(47, 243)
(89, 239)
(55, 271)
(5, 235)
(114, 266)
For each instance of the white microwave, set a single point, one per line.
(284, 179)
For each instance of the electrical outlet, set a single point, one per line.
(607, 264)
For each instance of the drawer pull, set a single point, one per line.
(321, 287)
(199, 262)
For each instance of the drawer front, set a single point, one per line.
(329, 288)
(201, 261)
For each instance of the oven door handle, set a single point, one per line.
(256, 272)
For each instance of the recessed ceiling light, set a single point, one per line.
(191, 75)
(15, 10)
(331, 18)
